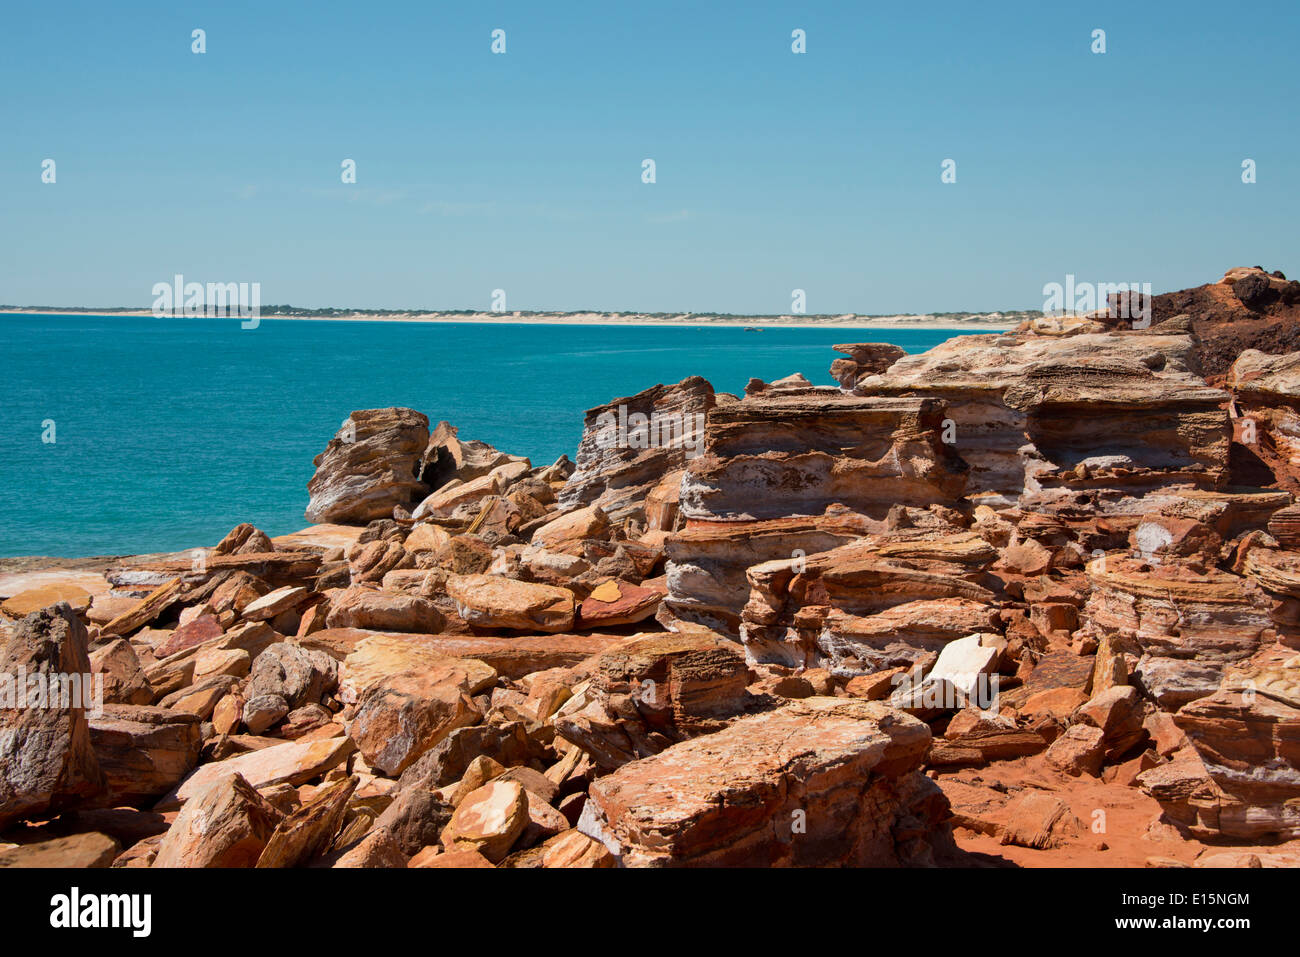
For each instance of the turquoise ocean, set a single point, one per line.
(168, 432)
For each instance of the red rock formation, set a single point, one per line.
(370, 467)
(821, 781)
(776, 456)
(628, 445)
(1057, 558)
(882, 602)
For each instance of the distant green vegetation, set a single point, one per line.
(334, 312)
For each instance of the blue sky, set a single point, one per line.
(522, 171)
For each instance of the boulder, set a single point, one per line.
(384, 611)
(820, 781)
(1079, 750)
(408, 698)
(370, 467)
(124, 680)
(47, 762)
(295, 675)
(225, 824)
(566, 534)
(489, 820)
(1038, 820)
(243, 539)
(144, 752)
(489, 601)
(307, 832)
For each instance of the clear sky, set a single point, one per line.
(522, 171)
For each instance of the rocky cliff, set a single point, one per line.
(939, 613)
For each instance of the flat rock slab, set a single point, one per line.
(12, 583)
(618, 603)
(1057, 670)
(490, 601)
(293, 763)
(378, 657)
(78, 850)
(34, 599)
(732, 798)
(511, 657)
(515, 657)
(320, 536)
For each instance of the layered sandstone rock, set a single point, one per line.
(1051, 567)
(1114, 415)
(1267, 389)
(779, 456)
(649, 692)
(370, 467)
(448, 457)
(1181, 624)
(883, 601)
(1240, 778)
(629, 444)
(707, 563)
(821, 781)
(866, 358)
(144, 752)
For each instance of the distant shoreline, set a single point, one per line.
(974, 322)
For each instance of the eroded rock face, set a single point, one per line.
(1029, 411)
(866, 358)
(371, 466)
(244, 539)
(449, 457)
(707, 563)
(774, 456)
(47, 761)
(884, 601)
(629, 444)
(1240, 778)
(1181, 624)
(654, 690)
(734, 798)
(1268, 429)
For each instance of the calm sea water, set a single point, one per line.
(171, 431)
